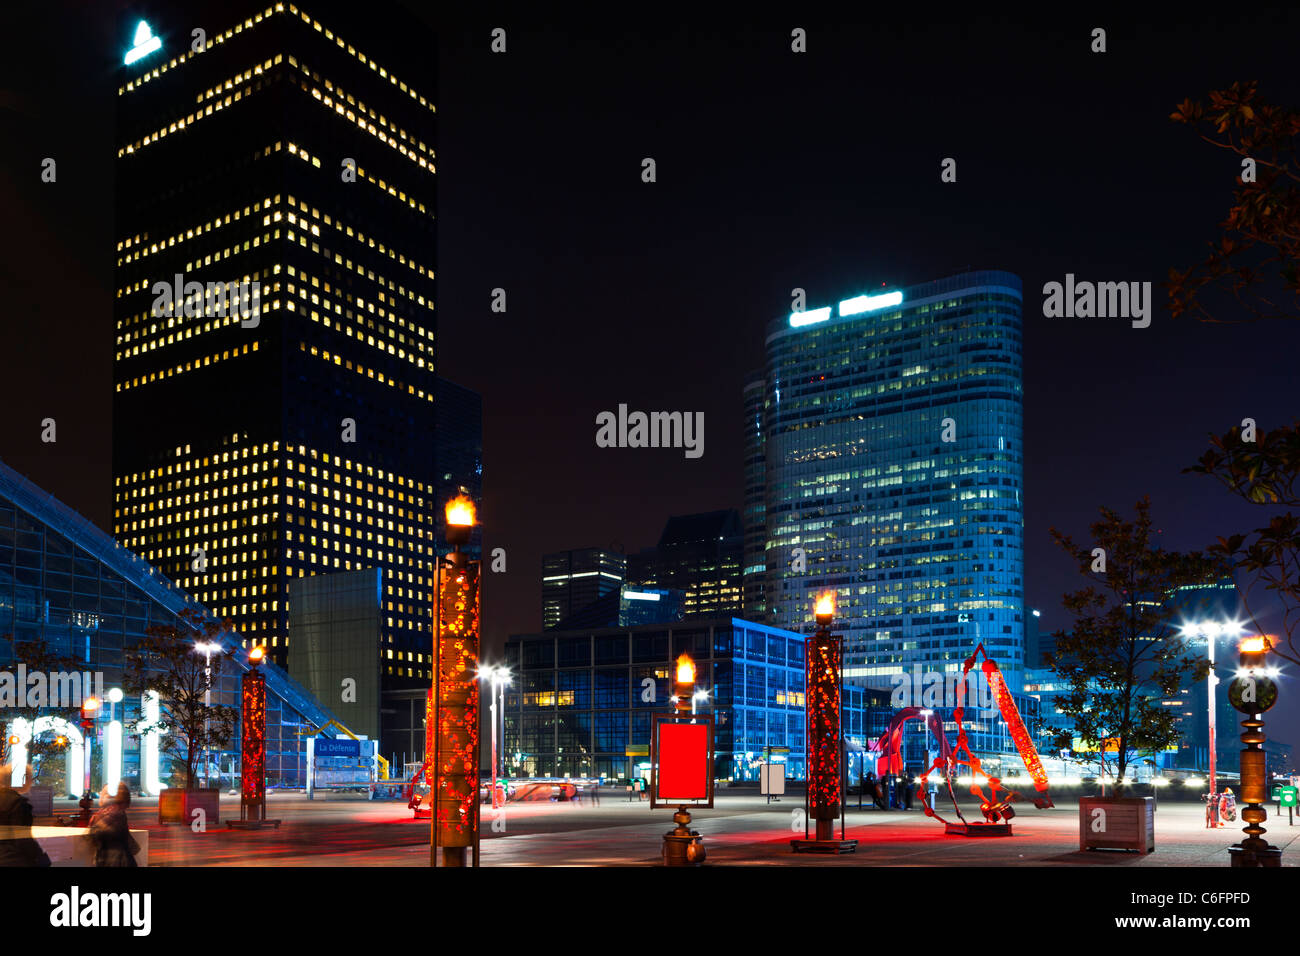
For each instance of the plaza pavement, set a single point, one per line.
(337, 830)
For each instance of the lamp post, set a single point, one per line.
(1209, 630)
(499, 678)
(252, 759)
(682, 845)
(824, 741)
(454, 781)
(89, 710)
(207, 649)
(1253, 691)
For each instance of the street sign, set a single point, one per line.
(636, 750)
(771, 779)
(1288, 796)
(681, 760)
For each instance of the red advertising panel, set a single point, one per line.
(684, 759)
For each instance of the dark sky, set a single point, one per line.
(775, 170)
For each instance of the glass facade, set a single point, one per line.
(575, 580)
(582, 700)
(66, 582)
(894, 464)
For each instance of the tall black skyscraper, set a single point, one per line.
(290, 432)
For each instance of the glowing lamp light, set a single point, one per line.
(256, 655)
(1253, 645)
(144, 43)
(115, 695)
(825, 607)
(89, 706)
(685, 670)
(14, 740)
(460, 512)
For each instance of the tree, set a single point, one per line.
(166, 662)
(1263, 472)
(1257, 259)
(37, 656)
(1125, 652)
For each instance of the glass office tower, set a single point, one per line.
(292, 433)
(893, 461)
(65, 582)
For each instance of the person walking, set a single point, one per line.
(110, 832)
(17, 847)
(595, 794)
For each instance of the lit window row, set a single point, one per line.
(183, 367)
(191, 233)
(180, 125)
(248, 25)
(335, 102)
(362, 174)
(363, 370)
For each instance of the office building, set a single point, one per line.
(699, 555)
(893, 459)
(65, 582)
(573, 581)
(754, 515)
(274, 380)
(582, 702)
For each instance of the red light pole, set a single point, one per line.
(252, 760)
(454, 734)
(824, 742)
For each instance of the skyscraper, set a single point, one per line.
(893, 458)
(274, 374)
(754, 516)
(700, 556)
(573, 581)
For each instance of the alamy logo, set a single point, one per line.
(939, 689)
(1101, 300)
(35, 689)
(77, 909)
(651, 430)
(195, 299)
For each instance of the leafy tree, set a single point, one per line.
(38, 656)
(165, 661)
(1125, 651)
(1257, 258)
(1263, 472)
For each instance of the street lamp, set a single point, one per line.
(454, 783)
(499, 677)
(1253, 691)
(89, 711)
(207, 649)
(823, 735)
(1209, 630)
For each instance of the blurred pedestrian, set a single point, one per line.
(110, 832)
(17, 846)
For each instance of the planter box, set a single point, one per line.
(178, 806)
(70, 846)
(41, 799)
(1123, 823)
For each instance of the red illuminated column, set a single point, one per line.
(823, 729)
(252, 774)
(453, 772)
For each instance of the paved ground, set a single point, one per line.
(742, 830)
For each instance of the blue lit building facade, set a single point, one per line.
(582, 702)
(64, 581)
(893, 458)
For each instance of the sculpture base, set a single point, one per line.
(977, 829)
(824, 846)
(683, 849)
(1247, 857)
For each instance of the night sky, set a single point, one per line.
(775, 170)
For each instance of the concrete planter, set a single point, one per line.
(41, 799)
(178, 806)
(1117, 823)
